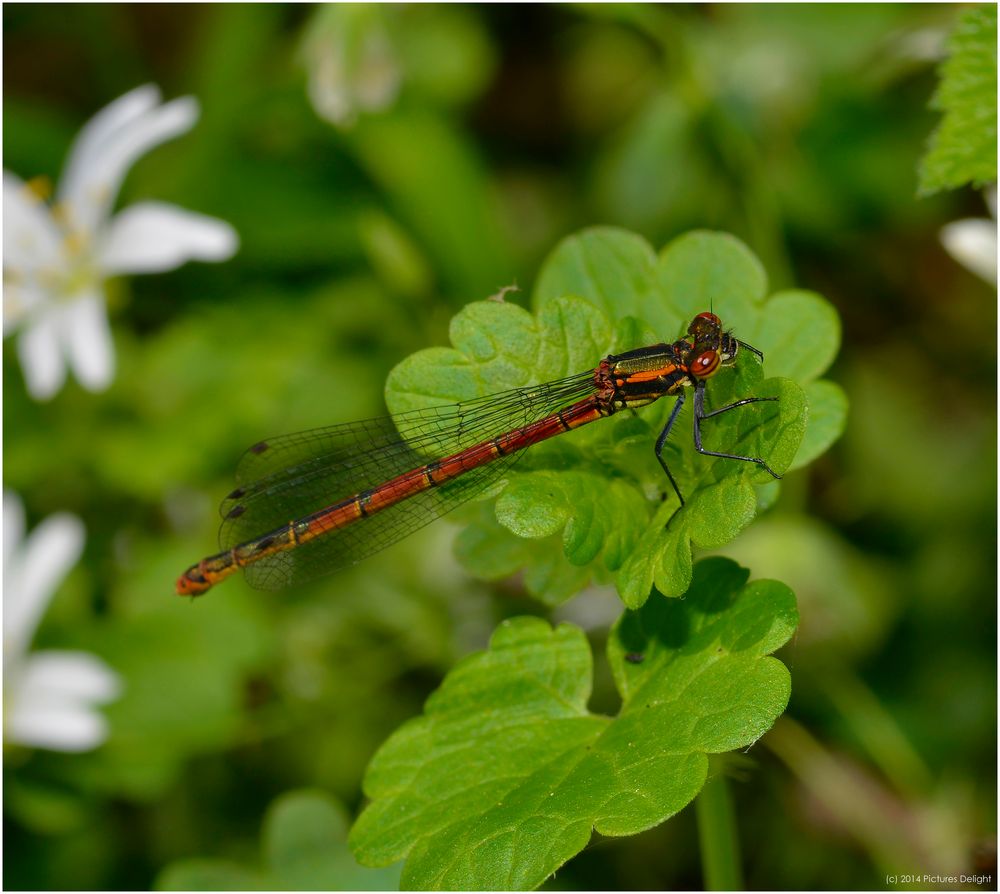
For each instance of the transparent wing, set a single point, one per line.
(289, 477)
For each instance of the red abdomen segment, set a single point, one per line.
(354, 509)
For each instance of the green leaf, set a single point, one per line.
(598, 492)
(304, 838)
(304, 849)
(800, 335)
(498, 346)
(210, 875)
(506, 774)
(595, 515)
(963, 149)
(712, 271)
(827, 419)
(611, 268)
(492, 552)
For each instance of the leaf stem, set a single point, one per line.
(720, 847)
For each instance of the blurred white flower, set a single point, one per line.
(351, 61)
(57, 258)
(973, 241)
(50, 696)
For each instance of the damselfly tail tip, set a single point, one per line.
(191, 583)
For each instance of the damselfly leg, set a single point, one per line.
(700, 414)
(662, 439)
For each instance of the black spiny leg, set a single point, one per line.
(662, 439)
(699, 414)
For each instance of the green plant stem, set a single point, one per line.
(720, 847)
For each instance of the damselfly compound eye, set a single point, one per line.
(712, 318)
(705, 364)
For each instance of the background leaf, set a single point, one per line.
(827, 420)
(612, 268)
(963, 149)
(303, 850)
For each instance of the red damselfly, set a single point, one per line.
(310, 503)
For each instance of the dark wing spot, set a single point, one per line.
(236, 511)
(260, 447)
(236, 494)
(635, 657)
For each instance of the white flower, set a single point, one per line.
(352, 63)
(973, 241)
(49, 697)
(57, 258)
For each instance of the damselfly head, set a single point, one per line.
(705, 326)
(708, 336)
(711, 348)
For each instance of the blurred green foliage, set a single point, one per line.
(304, 848)
(799, 129)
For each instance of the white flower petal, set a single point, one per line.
(95, 136)
(13, 525)
(41, 358)
(973, 243)
(86, 338)
(50, 702)
(377, 78)
(68, 676)
(153, 236)
(31, 238)
(32, 575)
(97, 185)
(21, 300)
(329, 94)
(55, 727)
